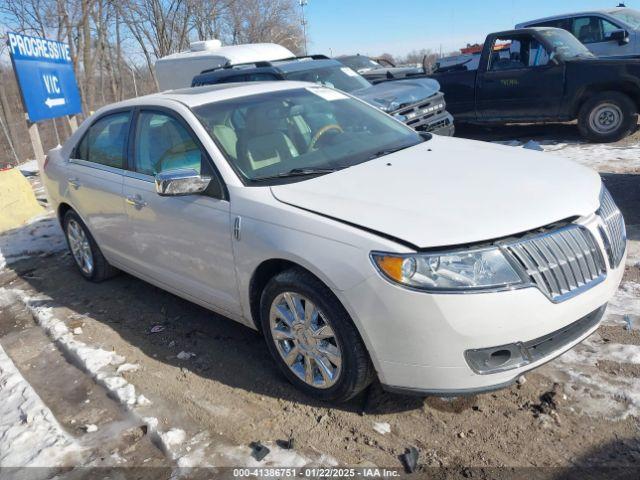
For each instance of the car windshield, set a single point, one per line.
(284, 136)
(565, 45)
(342, 78)
(359, 62)
(628, 16)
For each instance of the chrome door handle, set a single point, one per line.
(136, 201)
(74, 182)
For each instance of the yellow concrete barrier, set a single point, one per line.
(17, 200)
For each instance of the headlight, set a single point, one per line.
(455, 271)
(390, 107)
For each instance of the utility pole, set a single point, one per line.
(303, 3)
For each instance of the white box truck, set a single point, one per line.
(177, 70)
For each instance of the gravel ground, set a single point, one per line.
(580, 410)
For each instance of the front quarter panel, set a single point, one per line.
(338, 254)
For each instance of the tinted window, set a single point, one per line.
(521, 51)
(106, 141)
(233, 78)
(593, 29)
(163, 143)
(260, 77)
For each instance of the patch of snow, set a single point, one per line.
(29, 167)
(91, 428)
(41, 235)
(593, 391)
(382, 427)
(594, 350)
(30, 436)
(128, 367)
(175, 436)
(626, 302)
(600, 157)
(604, 158)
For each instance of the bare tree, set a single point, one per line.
(254, 21)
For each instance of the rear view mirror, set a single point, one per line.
(180, 182)
(620, 36)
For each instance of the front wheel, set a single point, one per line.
(312, 338)
(607, 117)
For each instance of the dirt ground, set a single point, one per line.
(232, 390)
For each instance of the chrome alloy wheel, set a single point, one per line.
(606, 118)
(80, 246)
(305, 340)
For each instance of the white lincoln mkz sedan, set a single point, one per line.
(358, 247)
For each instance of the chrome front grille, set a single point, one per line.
(562, 262)
(613, 232)
(418, 114)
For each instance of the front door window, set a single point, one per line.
(517, 52)
(163, 143)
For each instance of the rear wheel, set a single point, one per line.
(312, 338)
(86, 253)
(607, 117)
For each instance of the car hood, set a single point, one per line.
(395, 94)
(450, 191)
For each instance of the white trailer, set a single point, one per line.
(177, 70)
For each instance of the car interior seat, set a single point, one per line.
(261, 144)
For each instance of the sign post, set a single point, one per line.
(48, 86)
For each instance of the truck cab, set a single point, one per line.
(544, 74)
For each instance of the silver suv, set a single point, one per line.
(613, 32)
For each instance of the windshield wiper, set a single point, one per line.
(296, 172)
(388, 151)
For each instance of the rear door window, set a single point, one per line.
(105, 143)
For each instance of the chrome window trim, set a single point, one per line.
(97, 166)
(139, 176)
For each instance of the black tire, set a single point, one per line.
(614, 105)
(101, 270)
(357, 371)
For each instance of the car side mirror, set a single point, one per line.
(180, 182)
(620, 36)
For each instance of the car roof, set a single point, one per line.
(277, 66)
(195, 96)
(567, 15)
(234, 53)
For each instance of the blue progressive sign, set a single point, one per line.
(45, 74)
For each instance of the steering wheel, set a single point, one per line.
(320, 133)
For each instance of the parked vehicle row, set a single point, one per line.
(378, 69)
(417, 102)
(359, 247)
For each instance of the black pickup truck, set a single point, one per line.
(537, 75)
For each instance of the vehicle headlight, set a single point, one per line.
(390, 107)
(474, 269)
